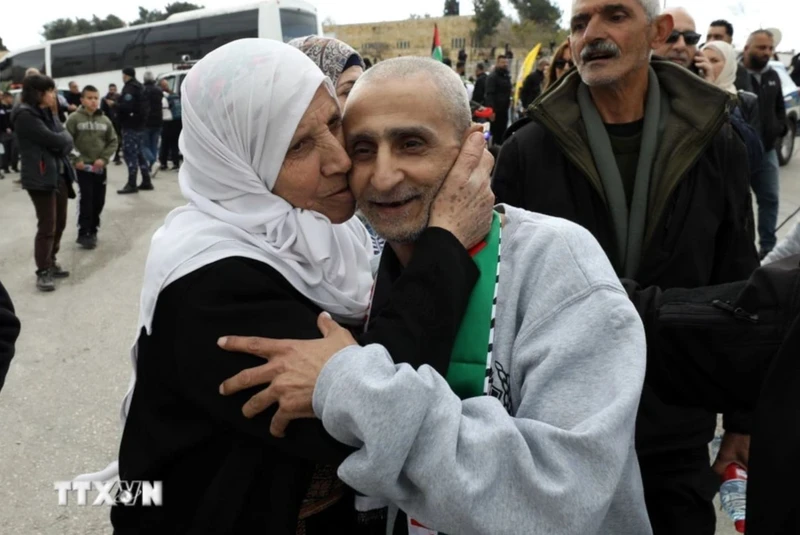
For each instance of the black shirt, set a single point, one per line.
(626, 140)
(222, 472)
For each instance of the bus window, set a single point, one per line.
(296, 23)
(118, 50)
(222, 29)
(12, 69)
(166, 44)
(72, 58)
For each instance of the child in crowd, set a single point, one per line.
(95, 143)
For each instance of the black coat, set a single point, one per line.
(110, 111)
(700, 227)
(132, 106)
(43, 148)
(531, 88)
(9, 331)
(498, 92)
(772, 106)
(479, 93)
(222, 472)
(154, 96)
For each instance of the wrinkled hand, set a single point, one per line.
(735, 448)
(99, 164)
(707, 70)
(292, 371)
(79, 166)
(465, 201)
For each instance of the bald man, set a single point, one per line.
(550, 449)
(681, 46)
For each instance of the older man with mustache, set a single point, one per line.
(640, 152)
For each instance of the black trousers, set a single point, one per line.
(499, 126)
(11, 156)
(169, 142)
(118, 130)
(91, 201)
(679, 488)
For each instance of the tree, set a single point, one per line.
(540, 11)
(328, 21)
(451, 8)
(146, 16)
(60, 28)
(488, 14)
(2, 46)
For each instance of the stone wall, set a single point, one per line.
(412, 37)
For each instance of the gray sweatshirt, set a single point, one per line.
(553, 452)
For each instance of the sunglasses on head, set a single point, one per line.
(691, 38)
(561, 63)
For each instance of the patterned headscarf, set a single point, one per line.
(331, 55)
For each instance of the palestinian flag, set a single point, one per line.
(436, 48)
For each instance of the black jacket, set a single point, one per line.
(43, 148)
(73, 98)
(133, 107)
(5, 119)
(531, 88)
(772, 107)
(743, 82)
(154, 96)
(700, 229)
(498, 91)
(110, 111)
(222, 472)
(9, 331)
(479, 93)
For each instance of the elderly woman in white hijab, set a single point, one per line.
(265, 244)
(745, 116)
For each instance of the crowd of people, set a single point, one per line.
(66, 140)
(536, 344)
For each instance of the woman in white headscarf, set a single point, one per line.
(723, 60)
(266, 242)
(745, 116)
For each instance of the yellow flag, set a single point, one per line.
(525, 70)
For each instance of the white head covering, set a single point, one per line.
(241, 106)
(727, 78)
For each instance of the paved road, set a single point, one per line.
(58, 411)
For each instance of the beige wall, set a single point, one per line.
(412, 37)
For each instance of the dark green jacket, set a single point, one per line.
(699, 229)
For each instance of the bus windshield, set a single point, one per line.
(12, 68)
(296, 23)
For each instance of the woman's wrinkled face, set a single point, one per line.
(346, 82)
(314, 172)
(717, 60)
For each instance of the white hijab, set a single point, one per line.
(241, 106)
(727, 78)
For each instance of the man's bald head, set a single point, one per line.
(681, 47)
(446, 86)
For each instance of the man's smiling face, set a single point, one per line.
(402, 144)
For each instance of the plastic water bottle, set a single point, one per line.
(733, 494)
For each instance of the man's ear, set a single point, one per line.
(475, 127)
(664, 24)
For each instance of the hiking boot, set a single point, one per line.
(58, 272)
(85, 241)
(44, 281)
(147, 186)
(117, 162)
(128, 189)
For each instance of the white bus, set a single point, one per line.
(98, 58)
